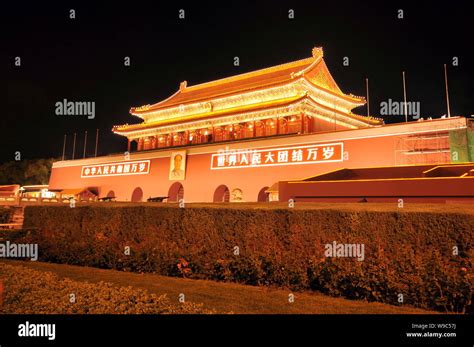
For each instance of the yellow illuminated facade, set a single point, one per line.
(299, 97)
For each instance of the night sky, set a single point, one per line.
(82, 59)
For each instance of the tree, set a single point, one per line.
(25, 172)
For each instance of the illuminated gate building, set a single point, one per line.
(235, 138)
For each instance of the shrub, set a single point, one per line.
(408, 253)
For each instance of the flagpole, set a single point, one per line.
(368, 100)
(447, 93)
(85, 144)
(64, 146)
(74, 147)
(405, 96)
(96, 141)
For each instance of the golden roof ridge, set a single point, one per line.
(317, 54)
(249, 74)
(247, 108)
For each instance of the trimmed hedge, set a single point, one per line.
(409, 253)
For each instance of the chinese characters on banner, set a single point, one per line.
(323, 153)
(116, 169)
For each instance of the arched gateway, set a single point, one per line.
(222, 194)
(176, 192)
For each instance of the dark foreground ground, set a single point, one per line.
(216, 297)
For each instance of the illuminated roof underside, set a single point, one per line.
(300, 86)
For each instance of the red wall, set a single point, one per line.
(201, 182)
(411, 190)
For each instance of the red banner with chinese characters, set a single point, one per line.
(321, 153)
(116, 169)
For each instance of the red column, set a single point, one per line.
(128, 145)
(197, 136)
(302, 123)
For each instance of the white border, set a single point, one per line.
(278, 149)
(118, 163)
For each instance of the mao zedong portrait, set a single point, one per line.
(177, 172)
